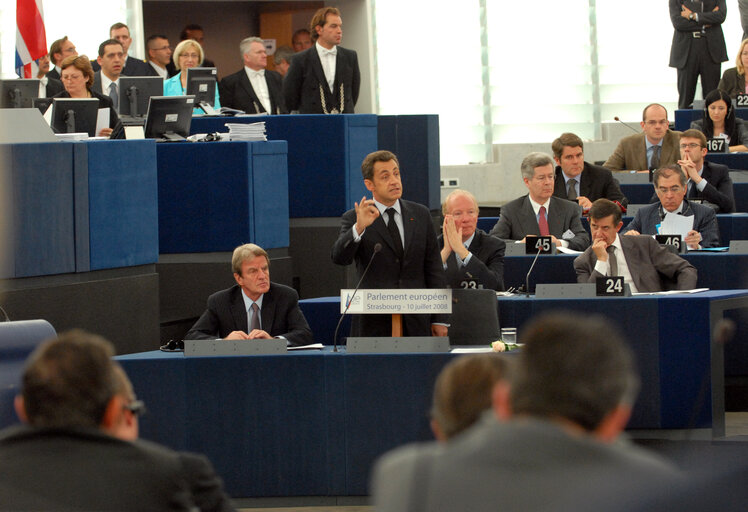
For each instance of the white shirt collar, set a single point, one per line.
(105, 83)
(251, 72)
(382, 208)
(536, 206)
(322, 51)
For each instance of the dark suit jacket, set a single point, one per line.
(54, 87)
(651, 265)
(280, 314)
(594, 182)
(682, 38)
(732, 82)
(53, 73)
(421, 266)
(85, 469)
(237, 92)
(104, 101)
(718, 190)
(704, 221)
(301, 86)
(631, 152)
(517, 220)
(485, 268)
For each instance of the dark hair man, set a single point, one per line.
(642, 262)
(58, 51)
(159, 56)
(471, 258)
(65, 457)
(106, 80)
(254, 308)
(552, 448)
(578, 180)
(539, 212)
(305, 89)
(409, 255)
(301, 40)
(196, 32)
(131, 66)
(670, 187)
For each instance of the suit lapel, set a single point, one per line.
(247, 86)
(408, 227)
(555, 221)
(528, 220)
(584, 183)
(268, 311)
(320, 73)
(238, 312)
(633, 257)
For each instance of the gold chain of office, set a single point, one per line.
(324, 104)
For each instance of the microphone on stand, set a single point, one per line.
(527, 277)
(626, 125)
(377, 248)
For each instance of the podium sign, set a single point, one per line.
(407, 301)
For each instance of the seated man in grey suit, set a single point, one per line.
(67, 456)
(642, 262)
(254, 308)
(539, 213)
(549, 443)
(580, 181)
(253, 88)
(656, 146)
(670, 187)
(471, 258)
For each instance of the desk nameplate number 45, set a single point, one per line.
(539, 244)
(609, 286)
(716, 145)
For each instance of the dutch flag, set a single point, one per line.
(31, 39)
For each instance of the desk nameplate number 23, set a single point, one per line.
(609, 286)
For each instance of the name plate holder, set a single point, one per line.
(674, 241)
(738, 247)
(202, 348)
(565, 291)
(397, 345)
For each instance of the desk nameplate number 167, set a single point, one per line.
(609, 286)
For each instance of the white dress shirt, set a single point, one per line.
(260, 86)
(623, 268)
(327, 58)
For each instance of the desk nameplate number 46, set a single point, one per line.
(673, 240)
(609, 286)
(541, 244)
(716, 145)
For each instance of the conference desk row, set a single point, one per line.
(311, 423)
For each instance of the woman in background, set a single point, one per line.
(187, 54)
(733, 79)
(719, 121)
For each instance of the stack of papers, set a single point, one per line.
(251, 132)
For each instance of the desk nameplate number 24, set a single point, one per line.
(609, 286)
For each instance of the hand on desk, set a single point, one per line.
(693, 239)
(584, 202)
(255, 334)
(439, 330)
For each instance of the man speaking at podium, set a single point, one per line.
(408, 255)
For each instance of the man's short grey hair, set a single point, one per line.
(283, 53)
(573, 367)
(247, 43)
(246, 252)
(666, 171)
(532, 161)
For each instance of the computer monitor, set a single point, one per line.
(18, 93)
(169, 117)
(201, 83)
(42, 104)
(135, 91)
(75, 115)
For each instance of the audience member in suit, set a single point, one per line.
(48, 87)
(655, 147)
(159, 56)
(195, 32)
(463, 392)
(402, 232)
(642, 262)
(106, 79)
(539, 213)
(580, 181)
(698, 46)
(59, 51)
(187, 54)
(254, 308)
(71, 410)
(719, 121)
(670, 186)
(707, 181)
(301, 40)
(131, 66)
(471, 258)
(78, 78)
(733, 79)
(253, 89)
(552, 441)
(324, 79)
(282, 59)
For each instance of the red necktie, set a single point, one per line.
(543, 222)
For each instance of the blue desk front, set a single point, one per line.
(215, 196)
(324, 157)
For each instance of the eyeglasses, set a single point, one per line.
(692, 145)
(137, 407)
(189, 56)
(665, 190)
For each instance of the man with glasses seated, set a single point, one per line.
(670, 187)
(655, 147)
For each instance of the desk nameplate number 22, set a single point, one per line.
(609, 286)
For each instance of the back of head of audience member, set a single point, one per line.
(68, 382)
(282, 59)
(463, 391)
(575, 370)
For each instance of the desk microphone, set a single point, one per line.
(527, 277)
(626, 125)
(377, 248)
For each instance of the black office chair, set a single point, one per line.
(475, 317)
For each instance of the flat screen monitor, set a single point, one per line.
(18, 93)
(201, 83)
(75, 115)
(42, 104)
(135, 91)
(169, 117)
